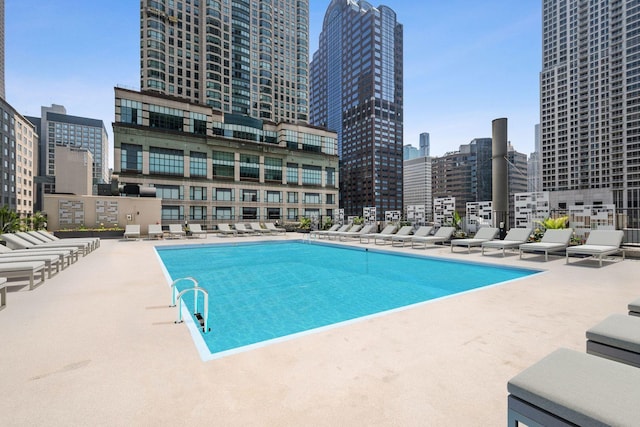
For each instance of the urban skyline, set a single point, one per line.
(500, 55)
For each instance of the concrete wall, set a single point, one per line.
(70, 212)
(74, 170)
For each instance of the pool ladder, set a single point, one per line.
(175, 298)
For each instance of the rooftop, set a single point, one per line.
(97, 344)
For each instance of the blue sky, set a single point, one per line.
(465, 62)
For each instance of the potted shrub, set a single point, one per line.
(305, 225)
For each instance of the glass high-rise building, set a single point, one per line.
(240, 57)
(590, 98)
(356, 90)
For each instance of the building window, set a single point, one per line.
(274, 197)
(223, 194)
(198, 193)
(292, 173)
(311, 175)
(331, 176)
(165, 118)
(130, 112)
(311, 142)
(223, 164)
(131, 158)
(166, 161)
(172, 213)
(330, 199)
(173, 192)
(197, 165)
(292, 214)
(249, 195)
(249, 213)
(272, 169)
(274, 213)
(292, 197)
(312, 198)
(249, 167)
(225, 213)
(198, 213)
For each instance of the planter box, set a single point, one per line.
(106, 234)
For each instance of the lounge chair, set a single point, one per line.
(569, 387)
(197, 231)
(255, 226)
(51, 261)
(272, 227)
(617, 338)
(24, 269)
(554, 240)
(404, 231)
(423, 230)
(319, 233)
(599, 243)
(485, 234)
(176, 231)
(354, 229)
(514, 238)
(53, 238)
(88, 244)
(3, 292)
(442, 235)
(355, 234)
(634, 308)
(155, 231)
(132, 231)
(16, 242)
(388, 230)
(242, 229)
(342, 229)
(225, 230)
(66, 255)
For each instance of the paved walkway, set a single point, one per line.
(97, 345)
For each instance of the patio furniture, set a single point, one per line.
(599, 243)
(570, 388)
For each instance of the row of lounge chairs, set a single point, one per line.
(256, 228)
(599, 244)
(37, 255)
(155, 231)
(598, 388)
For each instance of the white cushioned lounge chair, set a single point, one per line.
(176, 231)
(571, 388)
(225, 230)
(197, 231)
(16, 242)
(388, 230)
(255, 226)
(617, 338)
(600, 243)
(484, 234)
(422, 231)
(53, 238)
(514, 238)
(243, 230)
(356, 234)
(131, 231)
(405, 230)
(155, 231)
(320, 233)
(442, 235)
(24, 269)
(554, 240)
(272, 227)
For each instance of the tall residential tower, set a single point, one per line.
(356, 90)
(590, 98)
(241, 57)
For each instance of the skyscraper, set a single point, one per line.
(356, 90)
(241, 57)
(590, 98)
(425, 145)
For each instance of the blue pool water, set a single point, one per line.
(268, 290)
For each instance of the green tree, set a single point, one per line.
(9, 220)
(554, 223)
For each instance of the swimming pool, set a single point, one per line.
(265, 291)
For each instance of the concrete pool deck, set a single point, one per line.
(97, 345)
